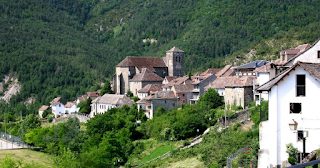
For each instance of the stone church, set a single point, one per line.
(133, 73)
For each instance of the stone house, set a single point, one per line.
(177, 81)
(142, 79)
(239, 91)
(219, 84)
(236, 90)
(161, 99)
(183, 92)
(106, 102)
(293, 116)
(200, 82)
(170, 65)
(148, 90)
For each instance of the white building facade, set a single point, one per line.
(106, 102)
(293, 114)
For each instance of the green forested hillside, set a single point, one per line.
(63, 47)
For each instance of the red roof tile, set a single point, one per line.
(232, 81)
(151, 88)
(146, 75)
(55, 101)
(93, 94)
(223, 70)
(142, 62)
(43, 108)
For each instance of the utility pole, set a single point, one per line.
(225, 116)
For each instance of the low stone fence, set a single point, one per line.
(238, 117)
(12, 142)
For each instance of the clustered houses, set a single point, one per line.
(59, 109)
(133, 73)
(291, 84)
(236, 84)
(293, 116)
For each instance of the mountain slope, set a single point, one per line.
(63, 47)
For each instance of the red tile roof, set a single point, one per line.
(223, 71)
(146, 75)
(232, 81)
(178, 81)
(93, 94)
(55, 101)
(142, 62)
(69, 104)
(151, 88)
(43, 108)
(170, 78)
(302, 49)
(187, 88)
(164, 95)
(210, 71)
(291, 51)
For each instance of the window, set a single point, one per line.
(301, 85)
(295, 108)
(300, 135)
(257, 97)
(318, 54)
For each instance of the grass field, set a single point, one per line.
(29, 156)
(161, 150)
(187, 163)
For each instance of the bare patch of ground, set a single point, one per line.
(246, 126)
(13, 88)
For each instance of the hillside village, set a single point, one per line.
(290, 84)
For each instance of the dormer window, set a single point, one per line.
(301, 85)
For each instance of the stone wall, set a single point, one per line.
(238, 96)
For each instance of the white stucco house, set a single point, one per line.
(71, 107)
(57, 107)
(293, 114)
(263, 74)
(106, 102)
